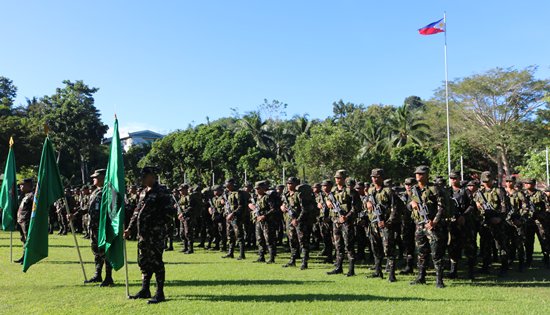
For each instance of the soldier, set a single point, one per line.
(209, 232)
(154, 211)
(361, 227)
(537, 222)
(77, 196)
(429, 213)
(248, 220)
(98, 178)
(289, 207)
(316, 229)
(84, 205)
(344, 204)
(188, 214)
(407, 227)
(382, 214)
(218, 219)
(325, 221)
(279, 189)
(515, 221)
(62, 212)
(264, 210)
(235, 203)
(490, 202)
(24, 212)
(460, 228)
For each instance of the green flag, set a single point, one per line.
(8, 194)
(48, 190)
(111, 214)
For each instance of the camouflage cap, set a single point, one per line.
(422, 169)
(440, 181)
(316, 185)
(230, 181)
(454, 175)
(293, 180)
(410, 181)
(98, 172)
(281, 187)
(149, 170)
(217, 187)
(350, 182)
(530, 181)
(183, 186)
(486, 176)
(388, 182)
(326, 182)
(511, 178)
(26, 181)
(360, 185)
(261, 184)
(377, 172)
(88, 187)
(341, 174)
(472, 183)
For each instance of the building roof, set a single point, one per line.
(144, 134)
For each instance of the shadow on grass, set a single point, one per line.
(236, 282)
(284, 298)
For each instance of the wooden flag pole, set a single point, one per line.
(75, 240)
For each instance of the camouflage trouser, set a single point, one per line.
(456, 241)
(24, 230)
(187, 231)
(344, 241)
(382, 242)
(99, 254)
(298, 237)
(516, 238)
(495, 234)
(538, 226)
(266, 236)
(63, 221)
(316, 233)
(235, 233)
(407, 236)
(326, 233)
(361, 237)
(432, 242)
(150, 250)
(220, 232)
(86, 223)
(470, 229)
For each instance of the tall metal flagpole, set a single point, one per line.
(447, 99)
(126, 266)
(547, 169)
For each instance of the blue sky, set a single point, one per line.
(162, 65)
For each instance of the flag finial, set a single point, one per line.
(115, 116)
(11, 142)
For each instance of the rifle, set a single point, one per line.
(290, 211)
(422, 208)
(324, 203)
(530, 205)
(488, 210)
(226, 203)
(256, 207)
(377, 209)
(337, 209)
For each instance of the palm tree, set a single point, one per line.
(406, 126)
(373, 137)
(253, 123)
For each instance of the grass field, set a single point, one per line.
(204, 283)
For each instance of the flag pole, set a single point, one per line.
(126, 267)
(447, 99)
(11, 246)
(75, 240)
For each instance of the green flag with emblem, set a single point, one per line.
(48, 190)
(111, 215)
(8, 193)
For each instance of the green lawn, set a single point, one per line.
(205, 283)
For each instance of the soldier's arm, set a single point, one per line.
(132, 226)
(394, 211)
(356, 204)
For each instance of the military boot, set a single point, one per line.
(241, 252)
(391, 276)
(97, 276)
(261, 257)
(171, 245)
(230, 252)
(421, 277)
(108, 282)
(409, 267)
(471, 268)
(453, 273)
(272, 254)
(291, 262)
(144, 293)
(377, 269)
(20, 260)
(185, 247)
(546, 260)
(338, 267)
(503, 266)
(351, 271)
(159, 295)
(305, 258)
(439, 277)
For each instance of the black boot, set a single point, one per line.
(272, 254)
(351, 271)
(241, 252)
(453, 273)
(421, 277)
(185, 247)
(108, 282)
(190, 248)
(546, 260)
(291, 262)
(229, 253)
(391, 276)
(409, 267)
(305, 258)
(171, 244)
(144, 293)
(159, 295)
(97, 275)
(261, 257)
(471, 269)
(338, 268)
(377, 269)
(20, 260)
(504, 266)
(439, 277)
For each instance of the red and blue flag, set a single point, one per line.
(433, 28)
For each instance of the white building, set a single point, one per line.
(130, 139)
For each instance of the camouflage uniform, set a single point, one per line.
(537, 222)
(237, 206)
(190, 206)
(266, 206)
(99, 255)
(515, 225)
(84, 205)
(218, 219)
(325, 223)
(24, 218)
(408, 227)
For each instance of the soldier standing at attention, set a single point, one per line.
(537, 222)
(344, 204)
(218, 219)
(153, 213)
(489, 201)
(190, 210)
(407, 227)
(429, 214)
(98, 178)
(515, 221)
(326, 222)
(24, 212)
(264, 212)
(235, 203)
(457, 227)
(382, 214)
(289, 207)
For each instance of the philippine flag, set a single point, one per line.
(433, 28)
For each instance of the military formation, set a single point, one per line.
(445, 224)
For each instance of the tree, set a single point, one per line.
(535, 166)
(8, 92)
(253, 123)
(406, 125)
(497, 103)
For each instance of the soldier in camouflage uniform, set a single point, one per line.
(62, 211)
(84, 205)
(430, 212)
(235, 203)
(316, 229)
(491, 204)
(515, 222)
(189, 211)
(537, 222)
(24, 212)
(298, 229)
(362, 222)
(248, 220)
(326, 221)
(153, 212)
(264, 210)
(344, 204)
(382, 213)
(408, 227)
(216, 210)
